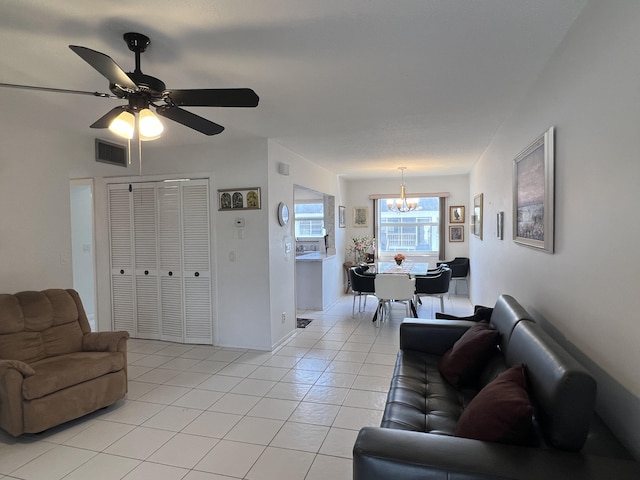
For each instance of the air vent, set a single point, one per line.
(113, 153)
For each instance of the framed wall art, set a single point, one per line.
(456, 233)
(456, 214)
(533, 194)
(360, 216)
(342, 222)
(476, 218)
(239, 199)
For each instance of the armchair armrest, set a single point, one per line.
(12, 375)
(24, 369)
(105, 342)
(383, 453)
(431, 336)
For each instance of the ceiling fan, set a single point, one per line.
(143, 90)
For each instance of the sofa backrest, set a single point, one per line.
(506, 314)
(37, 325)
(562, 390)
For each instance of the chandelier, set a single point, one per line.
(402, 204)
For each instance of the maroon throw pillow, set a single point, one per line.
(500, 412)
(462, 363)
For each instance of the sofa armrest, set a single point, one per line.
(383, 453)
(105, 342)
(431, 336)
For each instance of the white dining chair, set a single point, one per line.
(393, 288)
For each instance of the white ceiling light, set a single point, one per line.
(123, 125)
(149, 126)
(402, 204)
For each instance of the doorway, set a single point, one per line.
(83, 245)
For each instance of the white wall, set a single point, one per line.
(457, 186)
(586, 293)
(241, 287)
(282, 266)
(35, 244)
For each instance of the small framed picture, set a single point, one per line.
(239, 199)
(456, 214)
(456, 233)
(342, 222)
(360, 216)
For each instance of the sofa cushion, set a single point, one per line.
(56, 373)
(501, 412)
(420, 399)
(461, 364)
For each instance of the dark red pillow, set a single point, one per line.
(500, 412)
(462, 363)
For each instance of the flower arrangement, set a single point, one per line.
(360, 246)
(399, 258)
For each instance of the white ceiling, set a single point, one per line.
(357, 86)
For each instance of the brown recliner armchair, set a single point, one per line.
(52, 367)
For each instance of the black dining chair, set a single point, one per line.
(459, 270)
(362, 283)
(433, 286)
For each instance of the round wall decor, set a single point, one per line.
(283, 213)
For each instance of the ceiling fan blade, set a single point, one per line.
(105, 120)
(214, 97)
(57, 90)
(106, 66)
(189, 119)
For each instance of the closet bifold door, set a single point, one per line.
(171, 318)
(160, 247)
(145, 252)
(121, 257)
(196, 262)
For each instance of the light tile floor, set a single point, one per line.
(208, 413)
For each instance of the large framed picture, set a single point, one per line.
(342, 222)
(533, 189)
(456, 214)
(360, 216)
(239, 199)
(476, 218)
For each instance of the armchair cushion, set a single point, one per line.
(500, 412)
(464, 361)
(55, 373)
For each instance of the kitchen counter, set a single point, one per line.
(313, 257)
(315, 274)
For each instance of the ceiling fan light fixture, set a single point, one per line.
(149, 126)
(123, 125)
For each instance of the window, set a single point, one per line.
(415, 233)
(309, 219)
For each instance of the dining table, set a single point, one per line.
(406, 267)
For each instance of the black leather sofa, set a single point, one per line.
(416, 439)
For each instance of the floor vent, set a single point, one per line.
(112, 153)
